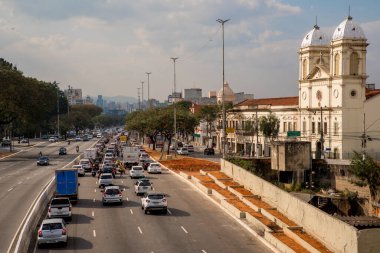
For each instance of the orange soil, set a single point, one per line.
(313, 242)
(219, 175)
(2, 154)
(243, 191)
(290, 242)
(267, 222)
(281, 217)
(203, 178)
(258, 203)
(239, 205)
(219, 189)
(230, 183)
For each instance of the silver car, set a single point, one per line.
(112, 194)
(60, 208)
(105, 179)
(136, 172)
(153, 201)
(143, 186)
(52, 231)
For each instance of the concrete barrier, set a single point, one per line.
(261, 228)
(282, 247)
(184, 175)
(289, 232)
(273, 218)
(203, 188)
(232, 209)
(219, 196)
(251, 205)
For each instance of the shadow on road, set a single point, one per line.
(74, 244)
(178, 213)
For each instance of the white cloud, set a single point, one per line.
(276, 4)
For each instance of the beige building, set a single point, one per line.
(335, 109)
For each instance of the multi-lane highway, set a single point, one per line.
(21, 180)
(193, 223)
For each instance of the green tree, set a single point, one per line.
(366, 170)
(270, 126)
(208, 114)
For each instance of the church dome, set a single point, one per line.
(315, 38)
(229, 95)
(348, 29)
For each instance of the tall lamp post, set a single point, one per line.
(223, 105)
(149, 104)
(142, 95)
(138, 96)
(175, 109)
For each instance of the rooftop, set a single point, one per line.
(280, 101)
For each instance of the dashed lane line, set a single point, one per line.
(94, 190)
(94, 233)
(169, 212)
(93, 200)
(203, 251)
(10, 189)
(139, 230)
(184, 230)
(93, 214)
(131, 211)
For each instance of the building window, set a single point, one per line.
(325, 127)
(354, 64)
(313, 127)
(285, 129)
(289, 126)
(336, 65)
(242, 124)
(304, 127)
(294, 126)
(336, 128)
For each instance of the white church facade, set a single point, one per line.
(336, 110)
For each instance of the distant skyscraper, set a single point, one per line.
(74, 96)
(100, 101)
(192, 94)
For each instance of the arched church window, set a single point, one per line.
(304, 68)
(336, 64)
(354, 64)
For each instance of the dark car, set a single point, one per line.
(146, 163)
(209, 151)
(6, 143)
(43, 160)
(62, 151)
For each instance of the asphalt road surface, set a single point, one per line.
(193, 222)
(21, 180)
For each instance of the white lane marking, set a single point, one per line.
(127, 199)
(93, 214)
(184, 230)
(96, 182)
(122, 181)
(131, 211)
(10, 189)
(20, 182)
(27, 178)
(169, 212)
(93, 200)
(123, 189)
(139, 230)
(203, 251)
(94, 190)
(94, 233)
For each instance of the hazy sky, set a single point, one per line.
(106, 46)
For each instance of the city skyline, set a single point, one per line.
(107, 46)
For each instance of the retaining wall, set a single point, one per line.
(337, 235)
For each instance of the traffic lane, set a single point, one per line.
(20, 182)
(201, 155)
(203, 225)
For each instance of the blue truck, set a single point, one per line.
(66, 180)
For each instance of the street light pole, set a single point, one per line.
(149, 104)
(142, 95)
(223, 105)
(175, 109)
(138, 96)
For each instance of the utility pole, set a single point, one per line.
(223, 105)
(321, 139)
(175, 109)
(138, 96)
(149, 104)
(257, 133)
(142, 95)
(58, 112)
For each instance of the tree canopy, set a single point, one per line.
(270, 126)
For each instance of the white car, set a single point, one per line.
(86, 163)
(136, 172)
(52, 231)
(60, 208)
(52, 139)
(112, 194)
(80, 168)
(143, 186)
(105, 179)
(154, 168)
(152, 201)
(182, 151)
(99, 135)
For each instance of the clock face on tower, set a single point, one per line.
(319, 95)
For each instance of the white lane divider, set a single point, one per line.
(94, 233)
(184, 230)
(122, 181)
(94, 190)
(93, 200)
(124, 189)
(96, 182)
(93, 214)
(169, 212)
(139, 230)
(127, 199)
(131, 211)
(10, 189)
(27, 178)
(20, 182)
(203, 251)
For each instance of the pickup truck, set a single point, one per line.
(60, 208)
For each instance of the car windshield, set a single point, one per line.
(112, 191)
(144, 183)
(156, 196)
(155, 164)
(44, 158)
(51, 226)
(60, 201)
(106, 177)
(137, 168)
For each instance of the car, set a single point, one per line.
(152, 201)
(52, 231)
(108, 155)
(6, 143)
(190, 148)
(105, 179)
(136, 172)
(154, 168)
(86, 163)
(60, 208)
(146, 163)
(81, 171)
(209, 151)
(52, 139)
(78, 138)
(182, 151)
(143, 186)
(62, 151)
(43, 160)
(112, 194)
(99, 135)
(85, 138)
(24, 141)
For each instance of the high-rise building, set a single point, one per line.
(100, 101)
(74, 96)
(192, 94)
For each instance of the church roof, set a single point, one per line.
(280, 101)
(348, 29)
(315, 38)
